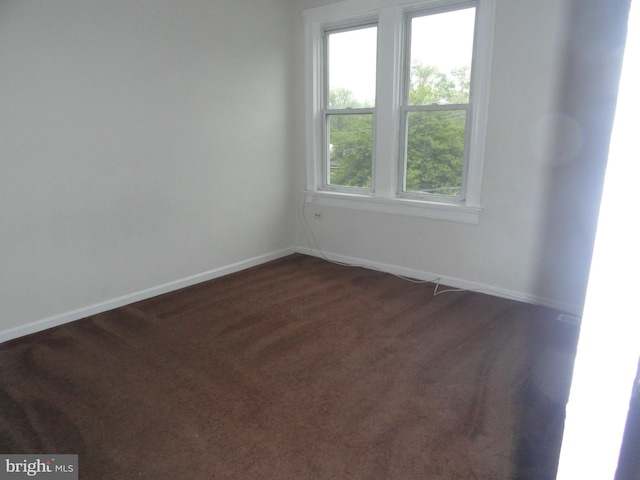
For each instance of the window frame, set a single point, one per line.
(386, 194)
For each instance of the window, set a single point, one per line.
(349, 96)
(436, 105)
(397, 102)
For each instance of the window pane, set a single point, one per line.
(351, 58)
(441, 50)
(435, 151)
(350, 147)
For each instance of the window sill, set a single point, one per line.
(396, 206)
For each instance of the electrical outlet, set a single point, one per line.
(317, 216)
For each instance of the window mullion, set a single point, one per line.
(387, 101)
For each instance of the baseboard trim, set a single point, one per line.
(117, 302)
(444, 280)
(121, 301)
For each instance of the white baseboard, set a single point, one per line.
(448, 281)
(84, 312)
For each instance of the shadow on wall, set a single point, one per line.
(580, 131)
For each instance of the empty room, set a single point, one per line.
(303, 239)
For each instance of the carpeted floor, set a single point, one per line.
(297, 369)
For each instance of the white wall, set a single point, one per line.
(524, 245)
(141, 142)
(144, 142)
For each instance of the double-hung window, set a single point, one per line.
(397, 97)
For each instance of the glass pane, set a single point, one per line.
(350, 147)
(435, 151)
(352, 68)
(441, 50)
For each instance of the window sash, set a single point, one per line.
(326, 151)
(402, 164)
(326, 33)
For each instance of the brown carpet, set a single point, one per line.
(297, 369)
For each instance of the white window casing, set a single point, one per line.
(385, 194)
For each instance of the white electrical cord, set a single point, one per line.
(313, 244)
